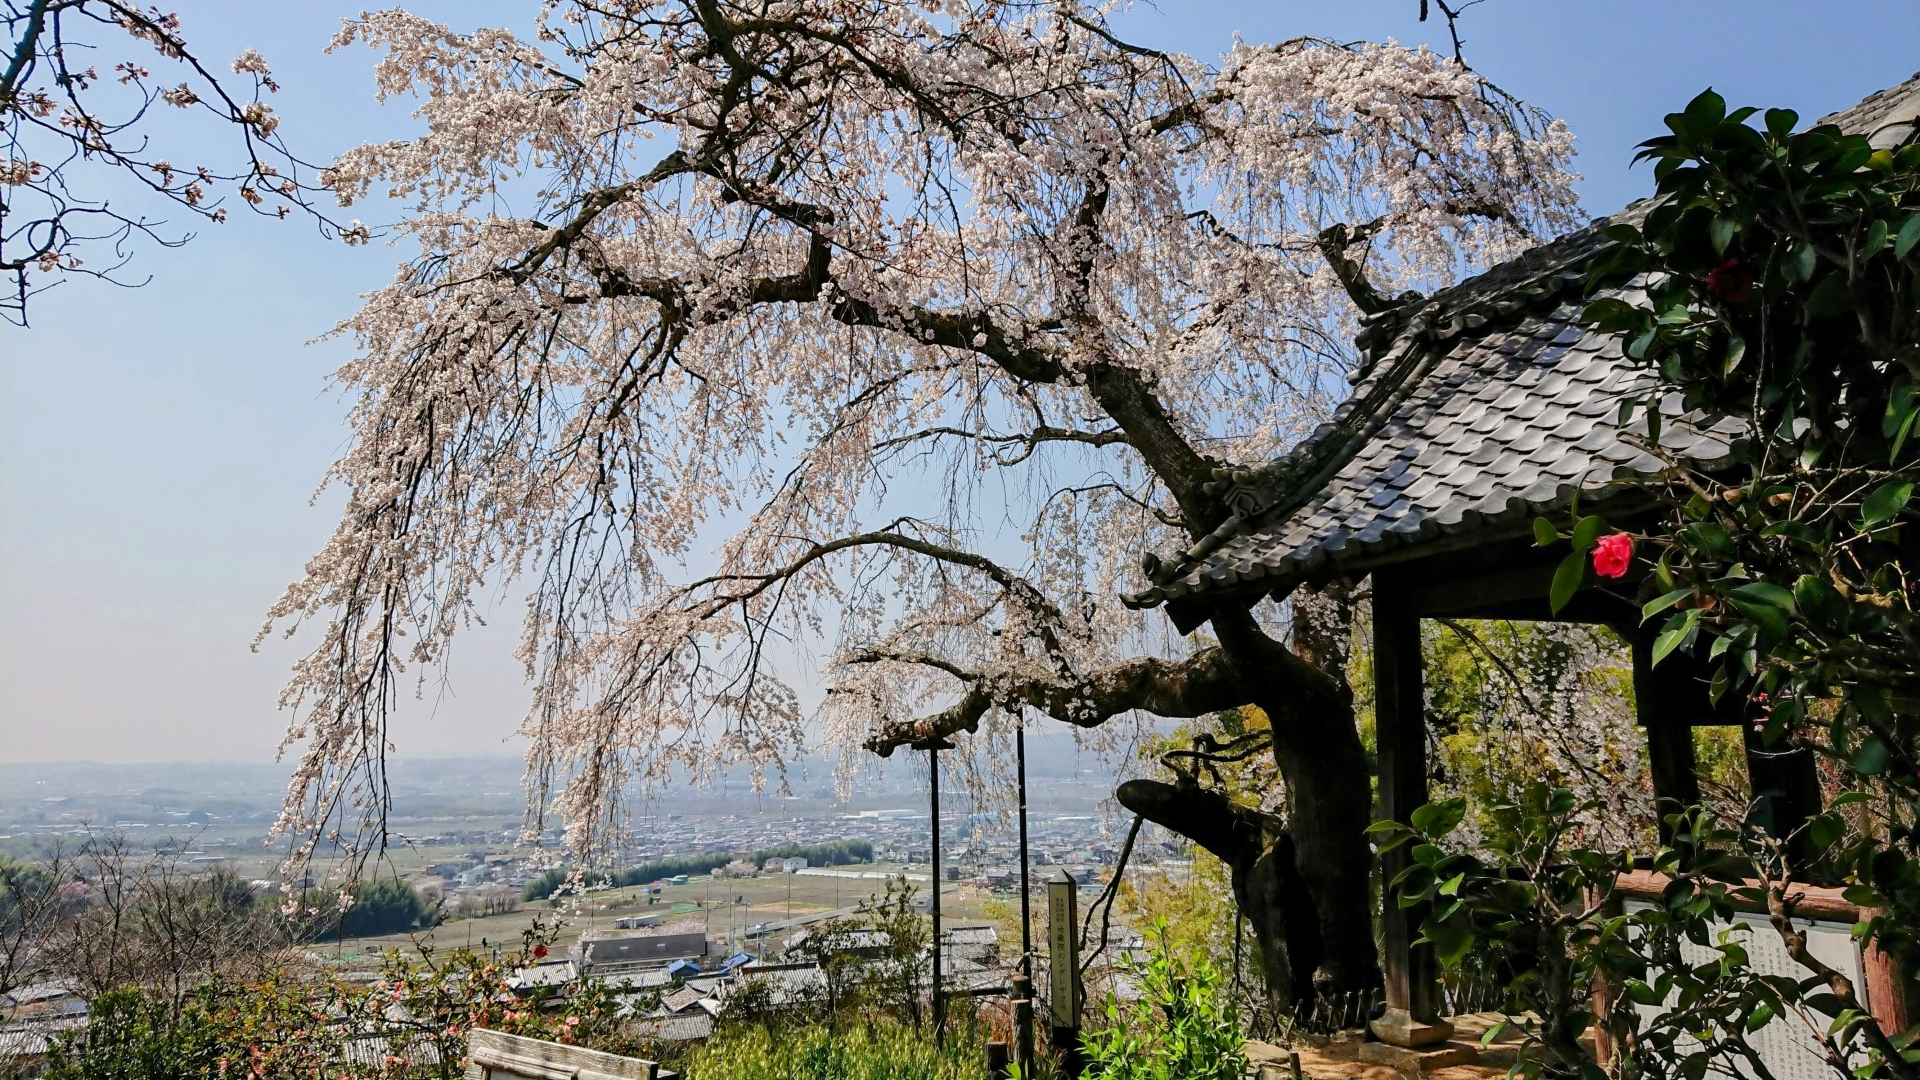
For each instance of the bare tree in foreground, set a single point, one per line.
(936, 316)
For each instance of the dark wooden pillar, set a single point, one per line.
(1399, 711)
(1669, 700)
(1786, 785)
(1673, 699)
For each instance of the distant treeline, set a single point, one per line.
(838, 853)
(382, 906)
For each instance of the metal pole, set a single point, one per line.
(1026, 886)
(1023, 980)
(933, 746)
(933, 772)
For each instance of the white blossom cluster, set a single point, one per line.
(913, 303)
(1556, 707)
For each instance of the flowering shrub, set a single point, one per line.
(1779, 275)
(1543, 914)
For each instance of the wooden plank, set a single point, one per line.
(496, 1055)
(1814, 902)
(1889, 992)
(1400, 727)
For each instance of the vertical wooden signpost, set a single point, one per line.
(1063, 969)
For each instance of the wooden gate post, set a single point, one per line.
(1412, 1016)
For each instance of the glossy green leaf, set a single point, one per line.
(1823, 830)
(1877, 232)
(1872, 757)
(1768, 616)
(1707, 109)
(1567, 580)
(1544, 534)
(1736, 352)
(1900, 405)
(1676, 632)
(1885, 504)
(1799, 265)
(1908, 236)
(1830, 298)
(1900, 437)
(1722, 231)
(1586, 531)
(1661, 603)
(1767, 593)
(1818, 600)
(1439, 818)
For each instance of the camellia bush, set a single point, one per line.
(1775, 279)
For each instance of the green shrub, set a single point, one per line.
(131, 1034)
(880, 1050)
(1183, 1025)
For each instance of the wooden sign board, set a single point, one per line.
(1063, 959)
(495, 1055)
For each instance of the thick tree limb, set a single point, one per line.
(1204, 683)
(1267, 885)
(1335, 242)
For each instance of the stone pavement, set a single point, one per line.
(1348, 1056)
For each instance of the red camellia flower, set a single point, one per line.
(1728, 283)
(1612, 555)
(540, 951)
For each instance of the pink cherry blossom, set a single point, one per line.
(754, 384)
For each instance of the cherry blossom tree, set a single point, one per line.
(79, 85)
(936, 315)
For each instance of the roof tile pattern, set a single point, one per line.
(1487, 404)
(1499, 429)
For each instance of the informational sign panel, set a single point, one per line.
(1063, 952)
(1785, 1044)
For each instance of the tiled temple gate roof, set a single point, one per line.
(1475, 410)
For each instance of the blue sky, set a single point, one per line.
(159, 446)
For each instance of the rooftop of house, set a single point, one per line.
(1473, 411)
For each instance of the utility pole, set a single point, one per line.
(933, 747)
(1026, 887)
(1023, 978)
